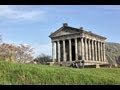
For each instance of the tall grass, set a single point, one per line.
(30, 74)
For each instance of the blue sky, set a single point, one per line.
(32, 24)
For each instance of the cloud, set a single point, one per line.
(14, 13)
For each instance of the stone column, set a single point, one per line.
(86, 49)
(76, 51)
(98, 51)
(82, 49)
(89, 45)
(56, 51)
(58, 42)
(104, 51)
(92, 51)
(95, 51)
(70, 49)
(79, 48)
(64, 51)
(53, 52)
(101, 51)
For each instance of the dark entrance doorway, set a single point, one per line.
(73, 52)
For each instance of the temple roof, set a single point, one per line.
(66, 30)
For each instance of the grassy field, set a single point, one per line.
(30, 74)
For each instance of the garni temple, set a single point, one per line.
(71, 44)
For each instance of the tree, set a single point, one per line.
(43, 59)
(20, 53)
(24, 53)
(6, 51)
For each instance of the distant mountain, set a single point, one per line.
(113, 53)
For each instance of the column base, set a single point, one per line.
(116, 65)
(97, 66)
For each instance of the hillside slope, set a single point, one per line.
(113, 53)
(30, 74)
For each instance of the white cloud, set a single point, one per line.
(10, 12)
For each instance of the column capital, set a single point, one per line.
(95, 40)
(58, 42)
(99, 40)
(52, 41)
(69, 38)
(85, 38)
(82, 37)
(103, 43)
(63, 39)
(92, 40)
(89, 38)
(75, 38)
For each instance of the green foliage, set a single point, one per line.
(43, 59)
(27, 74)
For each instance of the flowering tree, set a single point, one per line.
(11, 52)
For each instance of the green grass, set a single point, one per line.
(30, 74)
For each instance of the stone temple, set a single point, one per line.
(71, 44)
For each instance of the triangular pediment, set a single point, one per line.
(63, 31)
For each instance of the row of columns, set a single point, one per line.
(89, 49)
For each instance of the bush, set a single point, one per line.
(43, 59)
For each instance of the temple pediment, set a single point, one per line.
(67, 30)
(63, 31)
